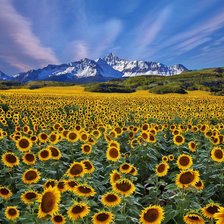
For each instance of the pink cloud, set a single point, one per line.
(26, 49)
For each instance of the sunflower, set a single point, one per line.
(5, 192)
(84, 137)
(210, 210)
(43, 137)
(62, 185)
(55, 153)
(86, 148)
(29, 158)
(31, 176)
(152, 138)
(24, 144)
(71, 184)
(184, 161)
(89, 167)
(124, 187)
(53, 138)
(178, 140)
(165, 159)
(219, 216)
(153, 214)
(111, 199)
(28, 197)
(113, 154)
(50, 182)
(76, 169)
(58, 219)
(10, 159)
(102, 217)
(84, 190)
(199, 185)
(72, 136)
(78, 210)
(162, 169)
(44, 154)
(217, 154)
(134, 171)
(125, 168)
(115, 176)
(11, 212)
(49, 202)
(171, 157)
(187, 177)
(192, 146)
(192, 218)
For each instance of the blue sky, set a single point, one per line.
(35, 33)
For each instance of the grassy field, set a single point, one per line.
(72, 156)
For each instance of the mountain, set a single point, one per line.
(5, 77)
(136, 68)
(102, 69)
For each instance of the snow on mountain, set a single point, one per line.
(5, 77)
(101, 69)
(137, 68)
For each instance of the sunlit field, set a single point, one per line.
(69, 156)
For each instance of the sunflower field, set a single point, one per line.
(69, 156)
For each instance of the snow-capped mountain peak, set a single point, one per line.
(102, 69)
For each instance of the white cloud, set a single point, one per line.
(26, 50)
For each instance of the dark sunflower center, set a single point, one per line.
(88, 165)
(161, 168)
(50, 183)
(72, 183)
(4, 191)
(218, 153)
(125, 167)
(53, 138)
(10, 158)
(186, 178)
(111, 198)
(116, 177)
(48, 202)
(184, 160)
(58, 218)
(12, 212)
(31, 175)
(212, 209)
(30, 195)
(84, 190)
(144, 136)
(152, 138)
(179, 139)
(76, 169)
(72, 136)
(195, 218)
(24, 143)
(102, 217)
(86, 148)
(44, 154)
(54, 152)
(151, 215)
(193, 145)
(61, 185)
(43, 136)
(113, 153)
(78, 209)
(84, 137)
(123, 186)
(29, 157)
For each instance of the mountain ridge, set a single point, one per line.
(106, 68)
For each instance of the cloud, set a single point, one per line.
(78, 49)
(19, 46)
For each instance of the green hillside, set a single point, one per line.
(211, 80)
